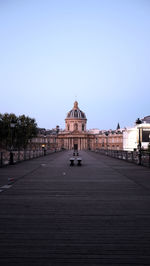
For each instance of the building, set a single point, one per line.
(75, 136)
(146, 119)
(137, 135)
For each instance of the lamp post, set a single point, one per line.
(106, 142)
(57, 131)
(1, 129)
(45, 144)
(138, 122)
(96, 144)
(12, 126)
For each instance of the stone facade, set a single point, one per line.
(75, 120)
(111, 141)
(77, 137)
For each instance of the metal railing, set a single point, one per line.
(142, 158)
(13, 157)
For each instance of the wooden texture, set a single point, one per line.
(54, 214)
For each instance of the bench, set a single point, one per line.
(75, 153)
(79, 160)
(71, 161)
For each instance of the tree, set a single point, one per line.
(6, 133)
(26, 130)
(18, 137)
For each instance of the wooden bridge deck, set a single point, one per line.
(54, 214)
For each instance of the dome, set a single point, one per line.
(76, 112)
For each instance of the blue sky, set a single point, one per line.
(96, 51)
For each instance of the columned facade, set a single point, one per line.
(75, 134)
(76, 137)
(74, 141)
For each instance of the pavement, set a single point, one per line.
(54, 214)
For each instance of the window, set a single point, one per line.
(75, 113)
(82, 127)
(75, 126)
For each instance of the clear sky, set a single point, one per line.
(53, 52)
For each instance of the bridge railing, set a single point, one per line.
(131, 156)
(7, 157)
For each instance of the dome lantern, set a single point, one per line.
(75, 105)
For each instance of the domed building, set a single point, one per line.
(75, 136)
(75, 120)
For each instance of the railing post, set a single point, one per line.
(127, 156)
(18, 157)
(132, 156)
(117, 155)
(139, 157)
(24, 155)
(11, 158)
(1, 161)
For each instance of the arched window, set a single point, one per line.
(75, 113)
(82, 127)
(68, 127)
(75, 126)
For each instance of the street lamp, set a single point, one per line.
(106, 133)
(57, 131)
(96, 142)
(1, 128)
(12, 126)
(138, 122)
(45, 143)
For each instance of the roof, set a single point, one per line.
(76, 112)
